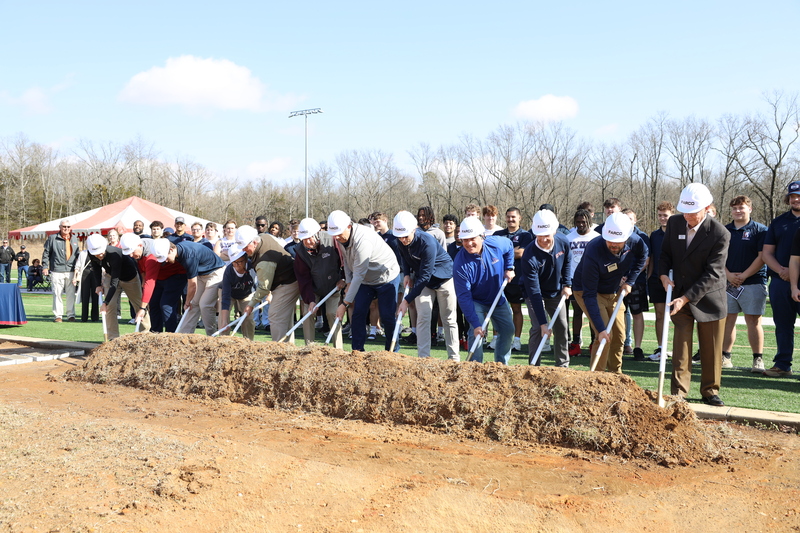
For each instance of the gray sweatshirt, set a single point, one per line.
(367, 259)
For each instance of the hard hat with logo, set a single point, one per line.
(308, 227)
(245, 235)
(545, 222)
(128, 242)
(96, 244)
(617, 228)
(694, 198)
(470, 227)
(404, 224)
(338, 222)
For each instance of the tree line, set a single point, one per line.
(523, 165)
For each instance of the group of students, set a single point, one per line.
(447, 278)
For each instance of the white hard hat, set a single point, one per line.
(96, 244)
(308, 228)
(128, 242)
(694, 198)
(234, 253)
(470, 227)
(545, 222)
(161, 249)
(617, 228)
(338, 222)
(245, 235)
(404, 223)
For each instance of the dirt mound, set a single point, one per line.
(592, 411)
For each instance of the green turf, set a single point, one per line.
(740, 387)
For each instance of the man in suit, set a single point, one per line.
(695, 247)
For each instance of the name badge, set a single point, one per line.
(612, 267)
(681, 237)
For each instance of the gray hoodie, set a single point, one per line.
(367, 259)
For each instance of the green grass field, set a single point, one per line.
(740, 387)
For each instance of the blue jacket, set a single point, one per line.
(544, 274)
(600, 272)
(478, 278)
(428, 260)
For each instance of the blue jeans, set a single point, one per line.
(20, 270)
(165, 302)
(503, 323)
(784, 312)
(387, 305)
(5, 272)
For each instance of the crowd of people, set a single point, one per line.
(360, 278)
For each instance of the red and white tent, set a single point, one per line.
(102, 219)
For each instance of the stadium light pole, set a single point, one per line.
(305, 113)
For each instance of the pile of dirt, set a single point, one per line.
(591, 411)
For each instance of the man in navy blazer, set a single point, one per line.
(695, 248)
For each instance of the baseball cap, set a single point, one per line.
(470, 227)
(694, 198)
(338, 222)
(308, 228)
(128, 243)
(169, 231)
(617, 228)
(793, 188)
(161, 249)
(548, 207)
(22, 247)
(179, 220)
(545, 222)
(244, 236)
(404, 223)
(96, 244)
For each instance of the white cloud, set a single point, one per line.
(547, 108)
(203, 84)
(258, 169)
(36, 100)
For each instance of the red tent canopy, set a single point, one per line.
(99, 220)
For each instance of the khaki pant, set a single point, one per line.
(61, 282)
(709, 337)
(281, 310)
(310, 333)
(248, 327)
(446, 296)
(611, 358)
(133, 290)
(204, 303)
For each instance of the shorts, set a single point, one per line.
(515, 293)
(657, 293)
(636, 301)
(752, 301)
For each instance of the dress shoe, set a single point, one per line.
(714, 400)
(71, 319)
(58, 319)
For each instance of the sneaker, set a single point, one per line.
(628, 350)
(516, 344)
(776, 372)
(638, 354)
(574, 349)
(409, 339)
(464, 345)
(439, 338)
(318, 323)
(381, 333)
(493, 343)
(547, 348)
(726, 361)
(758, 365)
(132, 321)
(346, 329)
(656, 355)
(371, 336)
(696, 358)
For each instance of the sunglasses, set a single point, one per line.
(65, 227)
(260, 225)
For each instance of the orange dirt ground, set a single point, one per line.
(186, 433)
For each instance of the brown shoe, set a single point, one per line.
(71, 319)
(58, 319)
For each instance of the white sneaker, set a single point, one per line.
(726, 362)
(132, 321)
(547, 348)
(758, 366)
(656, 355)
(493, 343)
(516, 345)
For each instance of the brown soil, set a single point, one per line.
(187, 433)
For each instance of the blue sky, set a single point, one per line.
(216, 83)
